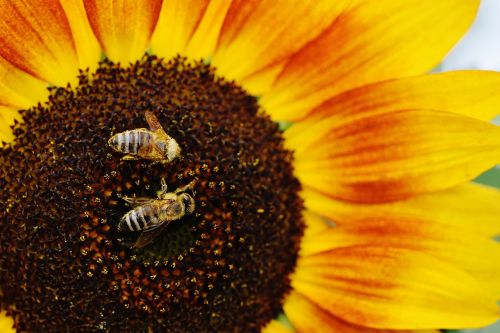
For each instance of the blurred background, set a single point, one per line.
(480, 49)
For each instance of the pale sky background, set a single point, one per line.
(479, 49)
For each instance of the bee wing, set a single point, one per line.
(153, 122)
(152, 152)
(148, 235)
(135, 202)
(145, 150)
(156, 127)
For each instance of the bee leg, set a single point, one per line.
(186, 187)
(153, 163)
(129, 158)
(161, 193)
(163, 185)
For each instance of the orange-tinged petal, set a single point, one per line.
(369, 42)
(307, 317)
(204, 40)
(262, 80)
(36, 37)
(18, 88)
(7, 117)
(471, 207)
(123, 27)
(471, 93)
(477, 255)
(6, 323)
(259, 34)
(276, 327)
(177, 23)
(385, 287)
(392, 156)
(86, 44)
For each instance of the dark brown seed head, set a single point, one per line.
(223, 268)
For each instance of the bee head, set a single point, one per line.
(188, 202)
(172, 149)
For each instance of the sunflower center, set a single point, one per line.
(224, 267)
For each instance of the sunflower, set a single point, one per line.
(328, 171)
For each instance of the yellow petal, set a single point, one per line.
(7, 118)
(276, 327)
(475, 254)
(86, 44)
(365, 157)
(316, 224)
(383, 287)
(6, 323)
(259, 34)
(18, 88)
(204, 39)
(36, 37)
(471, 207)
(371, 41)
(307, 317)
(177, 23)
(261, 81)
(471, 93)
(123, 27)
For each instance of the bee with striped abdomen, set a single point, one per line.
(142, 143)
(151, 216)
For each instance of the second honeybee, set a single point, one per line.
(151, 216)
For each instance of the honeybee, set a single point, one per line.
(153, 215)
(153, 144)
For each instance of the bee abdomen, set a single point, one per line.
(130, 141)
(138, 219)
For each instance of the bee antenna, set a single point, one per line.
(191, 184)
(186, 187)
